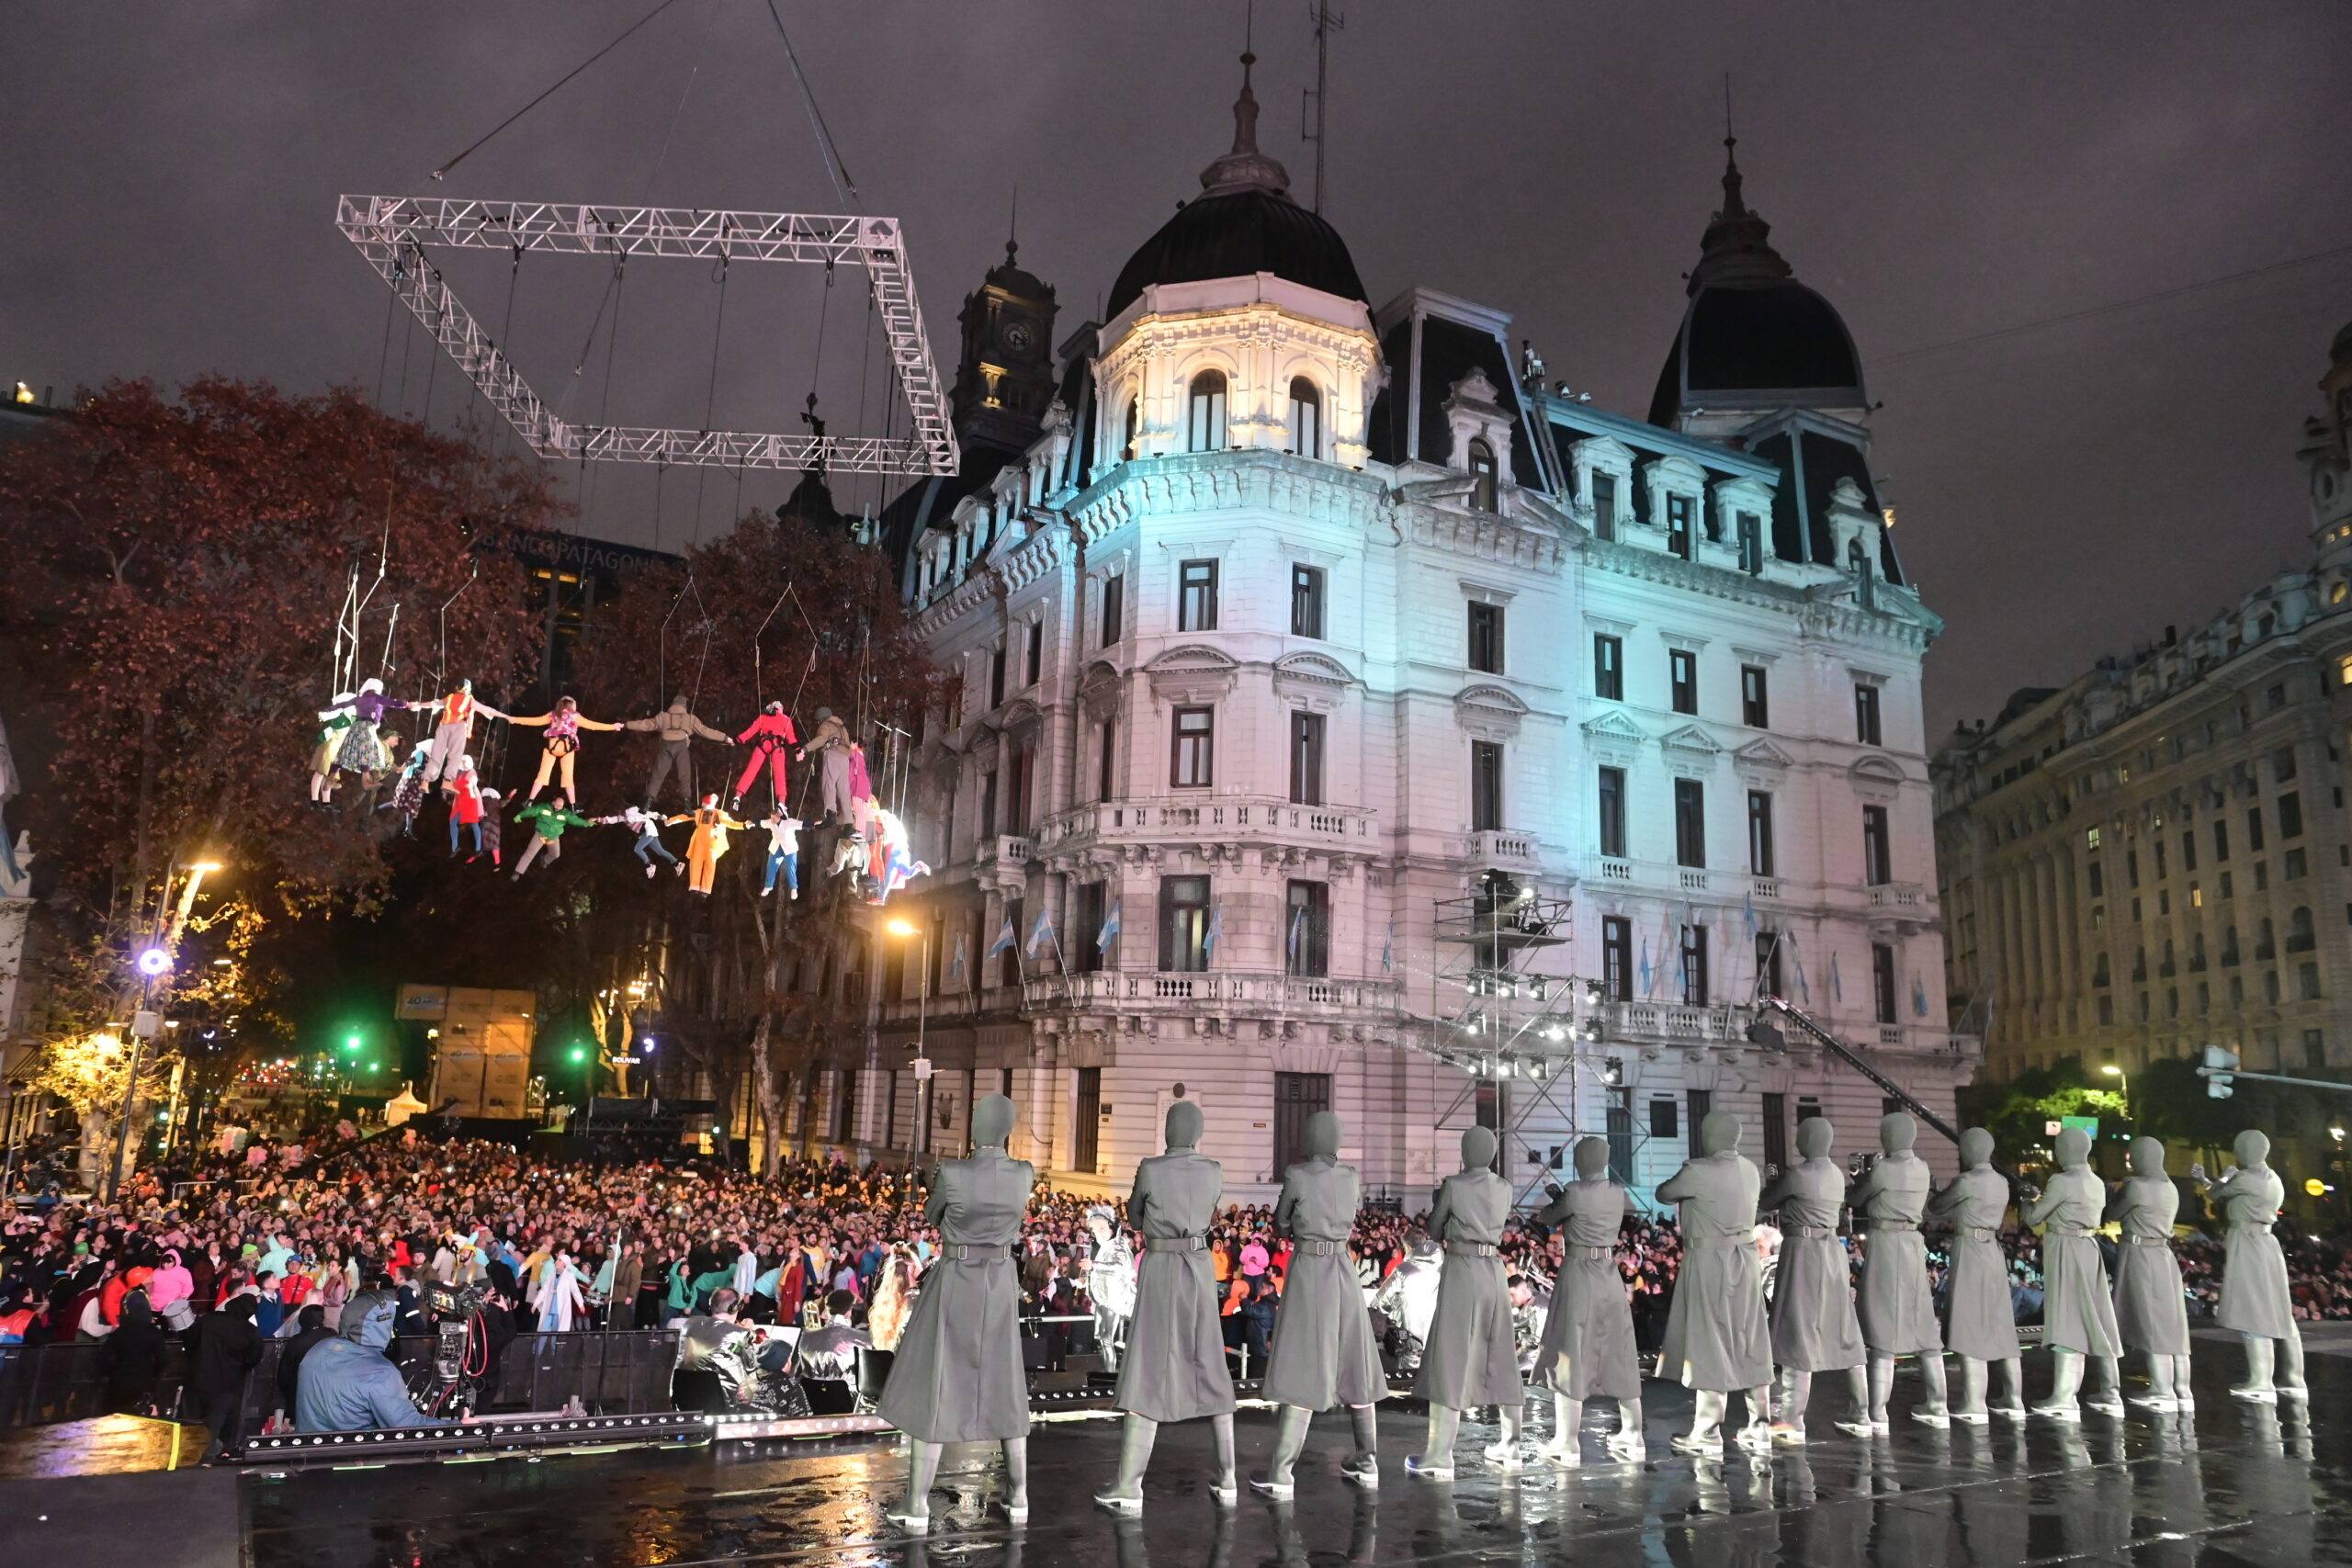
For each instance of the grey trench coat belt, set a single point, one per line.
(1321, 1249)
(1174, 1243)
(1471, 1249)
(972, 1252)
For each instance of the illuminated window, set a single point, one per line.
(1482, 476)
(1306, 418)
(1206, 426)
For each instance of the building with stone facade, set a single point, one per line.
(2155, 856)
(1285, 622)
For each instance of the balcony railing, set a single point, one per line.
(1130, 989)
(1898, 896)
(1497, 848)
(1252, 816)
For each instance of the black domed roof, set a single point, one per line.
(1752, 329)
(1235, 235)
(1243, 222)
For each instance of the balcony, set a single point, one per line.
(1907, 898)
(1228, 817)
(1764, 886)
(1502, 848)
(1146, 991)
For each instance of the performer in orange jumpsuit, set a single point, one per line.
(709, 842)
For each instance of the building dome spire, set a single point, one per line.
(1245, 168)
(1736, 249)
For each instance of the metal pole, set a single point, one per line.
(130, 1089)
(922, 1078)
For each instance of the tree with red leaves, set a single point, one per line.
(176, 574)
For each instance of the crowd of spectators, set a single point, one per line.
(271, 1241)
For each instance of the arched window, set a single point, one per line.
(1306, 418)
(1204, 426)
(1482, 475)
(1134, 425)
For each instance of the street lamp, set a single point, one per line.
(152, 964)
(2122, 1087)
(903, 930)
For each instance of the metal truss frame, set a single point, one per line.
(392, 232)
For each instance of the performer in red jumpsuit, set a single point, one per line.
(768, 735)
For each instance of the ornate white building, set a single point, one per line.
(1282, 621)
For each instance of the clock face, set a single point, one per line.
(1016, 336)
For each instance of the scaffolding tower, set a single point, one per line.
(1503, 1013)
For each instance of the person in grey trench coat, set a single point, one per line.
(1471, 1356)
(1897, 1308)
(957, 1376)
(2256, 1301)
(1716, 1336)
(1813, 1327)
(1323, 1354)
(2150, 1308)
(1587, 1347)
(1980, 1316)
(1175, 1366)
(2077, 1308)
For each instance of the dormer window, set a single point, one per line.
(1678, 525)
(1306, 418)
(1604, 505)
(1204, 426)
(1751, 542)
(1482, 474)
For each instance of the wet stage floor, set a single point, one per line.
(2233, 1485)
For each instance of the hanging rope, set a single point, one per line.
(824, 311)
(384, 354)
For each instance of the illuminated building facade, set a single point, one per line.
(1288, 618)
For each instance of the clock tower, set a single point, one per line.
(1006, 379)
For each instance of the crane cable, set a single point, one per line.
(535, 103)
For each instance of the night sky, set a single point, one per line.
(1943, 172)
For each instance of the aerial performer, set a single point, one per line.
(453, 734)
(768, 735)
(548, 818)
(830, 740)
(563, 724)
(957, 1375)
(2256, 1301)
(1175, 1366)
(1980, 1315)
(1814, 1325)
(1717, 1340)
(783, 852)
(465, 804)
(1897, 1306)
(1323, 1352)
(648, 828)
(333, 720)
(677, 730)
(408, 793)
(361, 750)
(1471, 1354)
(709, 842)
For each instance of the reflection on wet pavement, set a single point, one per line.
(2231, 1484)
(110, 1445)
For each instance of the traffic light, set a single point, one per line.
(2216, 1064)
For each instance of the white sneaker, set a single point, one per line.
(912, 1524)
(1364, 1473)
(1428, 1469)
(1131, 1507)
